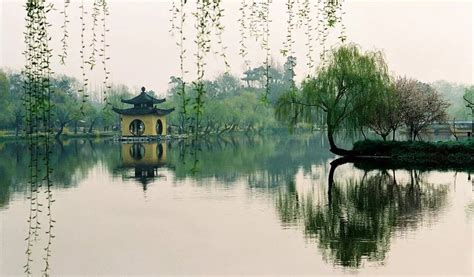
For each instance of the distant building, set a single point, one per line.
(144, 119)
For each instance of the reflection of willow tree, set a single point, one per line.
(288, 204)
(264, 161)
(361, 216)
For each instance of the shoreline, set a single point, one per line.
(23, 137)
(449, 154)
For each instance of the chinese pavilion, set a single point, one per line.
(144, 119)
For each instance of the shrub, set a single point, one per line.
(461, 152)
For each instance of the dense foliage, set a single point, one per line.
(342, 95)
(417, 105)
(353, 93)
(66, 111)
(232, 104)
(469, 100)
(426, 153)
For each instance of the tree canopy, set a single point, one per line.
(343, 93)
(469, 96)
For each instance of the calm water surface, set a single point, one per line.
(240, 206)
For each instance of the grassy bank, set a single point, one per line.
(429, 154)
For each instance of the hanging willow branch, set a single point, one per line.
(178, 11)
(218, 28)
(103, 50)
(329, 14)
(85, 81)
(243, 28)
(265, 18)
(208, 16)
(64, 39)
(203, 18)
(51, 221)
(257, 24)
(96, 9)
(288, 43)
(307, 22)
(37, 95)
(341, 13)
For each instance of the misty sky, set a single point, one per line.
(428, 40)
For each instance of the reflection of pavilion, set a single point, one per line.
(140, 161)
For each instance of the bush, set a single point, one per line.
(430, 153)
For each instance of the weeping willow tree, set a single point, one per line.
(343, 94)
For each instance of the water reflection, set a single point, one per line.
(71, 161)
(352, 222)
(360, 215)
(265, 162)
(141, 161)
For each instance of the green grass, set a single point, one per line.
(420, 153)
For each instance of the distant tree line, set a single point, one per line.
(66, 110)
(232, 104)
(352, 94)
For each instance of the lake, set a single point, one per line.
(246, 205)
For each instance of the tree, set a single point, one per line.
(66, 109)
(4, 85)
(453, 94)
(224, 84)
(420, 105)
(4, 103)
(16, 109)
(346, 89)
(92, 116)
(379, 122)
(116, 93)
(469, 96)
(386, 117)
(64, 96)
(469, 99)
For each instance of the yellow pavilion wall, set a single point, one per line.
(148, 120)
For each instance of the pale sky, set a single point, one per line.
(427, 40)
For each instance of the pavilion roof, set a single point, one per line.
(143, 98)
(143, 111)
